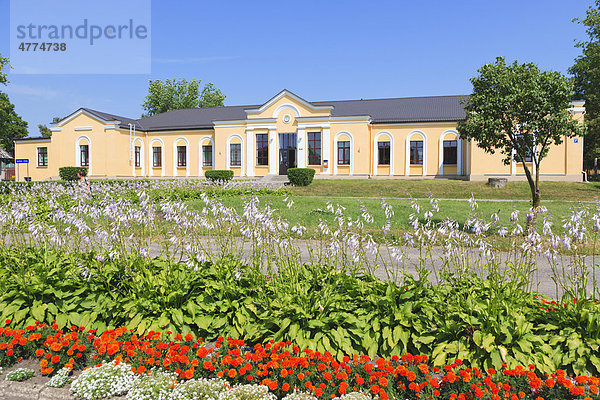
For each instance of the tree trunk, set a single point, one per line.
(534, 186)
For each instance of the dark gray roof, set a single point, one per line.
(407, 109)
(124, 121)
(193, 118)
(396, 110)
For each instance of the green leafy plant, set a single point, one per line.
(70, 173)
(219, 174)
(300, 176)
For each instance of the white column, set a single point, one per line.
(326, 143)
(249, 152)
(301, 148)
(458, 156)
(272, 151)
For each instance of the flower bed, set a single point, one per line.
(282, 367)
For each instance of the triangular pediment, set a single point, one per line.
(287, 98)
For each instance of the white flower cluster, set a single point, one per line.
(104, 381)
(247, 392)
(156, 386)
(60, 379)
(349, 396)
(204, 389)
(299, 396)
(20, 374)
(357, 396)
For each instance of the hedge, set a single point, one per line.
(300, 176)
(70, 173)
(219, 175)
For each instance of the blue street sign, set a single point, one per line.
(22, 161)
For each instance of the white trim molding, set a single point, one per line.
(187, 156)
(78, 153)
(228, 150)
(250, 152)
(273, 151)
(458, 152)
(142, 159)
(407, 155)
(201, 154)
(283, 107)
(335, 151)
(376, 151)
(83, 128)
(301, 146)
(151, 157)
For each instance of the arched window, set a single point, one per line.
(235, 153)
(207, 154)
(138, 157)
(383, 150)
(450, 153)
(158, 155)
(343, 154)
(180, 156)
(416, 152)
(83, 153)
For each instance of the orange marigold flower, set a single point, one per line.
(375, 389)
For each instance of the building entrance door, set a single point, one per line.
(287, 152)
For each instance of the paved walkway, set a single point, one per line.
(542, 275)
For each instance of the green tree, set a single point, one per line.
(520, 111)
(175, 94)
(586, 72)
(44, 130)
(11, 125)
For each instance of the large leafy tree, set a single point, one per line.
(175, 94)
(520, 111)
(586, 72)
(11, 125)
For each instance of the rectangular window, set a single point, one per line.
(416, 152)
(383, 153)
(181, 156)
(235, 154)
(42, 153)
(138, 158)
(207, 155)
(450, 152)
(343, 153)
(84, 155)
(262, 149)
(314, 148)
(156, 157)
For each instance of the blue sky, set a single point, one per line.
(320, 50)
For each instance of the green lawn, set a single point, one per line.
(307, 210)
(448, 189)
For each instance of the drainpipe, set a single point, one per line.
(370, 149)
(130, 145)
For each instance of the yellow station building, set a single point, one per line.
(412, 137)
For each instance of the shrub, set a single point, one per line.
(70, 173)
(219, 175)
(300, 176)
